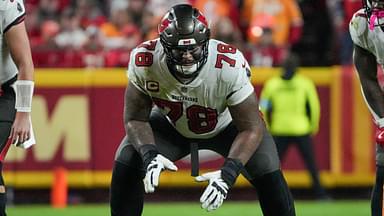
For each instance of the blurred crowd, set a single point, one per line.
(101, 33)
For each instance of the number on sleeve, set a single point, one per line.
(225, 48)
(144, 59)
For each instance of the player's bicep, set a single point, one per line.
(246, 114)
(137, 104)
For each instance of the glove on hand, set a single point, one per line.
(216, 191)
(154, 163)
(219, 183)
(155, 167)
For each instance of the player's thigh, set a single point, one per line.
(264, 160)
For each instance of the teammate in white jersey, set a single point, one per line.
(367, 32)
(16, 82)
(188, 92)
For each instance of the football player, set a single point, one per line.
(367, 32)
(203, 99)
(16, 82)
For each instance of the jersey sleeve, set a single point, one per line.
(135, 73)
(358, 29)
(14, 13)
(240, 86)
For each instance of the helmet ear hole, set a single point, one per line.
(184, 26)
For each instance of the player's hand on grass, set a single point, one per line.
(216, 191)
(154, 168)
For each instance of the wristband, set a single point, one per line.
(24, 92)
(148, 152)
(231, 170)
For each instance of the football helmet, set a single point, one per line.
(184, 29)
(374, 9)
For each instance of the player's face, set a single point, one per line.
(187, 55)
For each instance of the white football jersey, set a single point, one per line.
(11, 12)
(371, 40)
(198, 109)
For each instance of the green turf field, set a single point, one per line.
(306, 208)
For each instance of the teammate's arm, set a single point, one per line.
(18, 43)
(366, 66)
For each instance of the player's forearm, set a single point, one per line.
(26, 70)
(139, 133)
(245, 144)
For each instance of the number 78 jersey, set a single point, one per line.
(198, 109)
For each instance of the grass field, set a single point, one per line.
(305, 208)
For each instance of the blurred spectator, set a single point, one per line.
(46, 40)
(224, 30)
(342, 12)
(113, 29)
(284, 17)
(90, 12)
(222, 16)
(71, 35)
(316, 45)
(271, 27)
(265, 53)
(49, 9)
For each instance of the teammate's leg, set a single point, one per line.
(377, 192)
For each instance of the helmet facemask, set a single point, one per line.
(184, 35)
(374, 10)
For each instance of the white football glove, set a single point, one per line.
(155, 167)
(216, 191)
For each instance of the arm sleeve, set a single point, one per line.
(314, 105)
